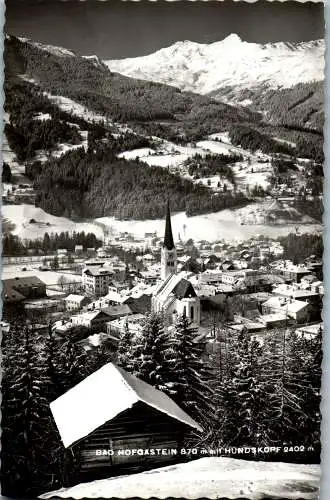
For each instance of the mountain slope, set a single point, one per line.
(205, 68)
(159, 109)
(282, 80)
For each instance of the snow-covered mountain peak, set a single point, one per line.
(232, 39)
(205, 68)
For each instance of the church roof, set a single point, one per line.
(184, 289)
(168, 237)
(177, 285)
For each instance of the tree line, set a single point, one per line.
(298, 247)
(13, 245)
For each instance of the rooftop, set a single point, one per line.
(101, 397)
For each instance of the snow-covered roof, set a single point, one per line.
(89, 315)
(101, 397)
(268, 318)
(76, 298)
(296, 305)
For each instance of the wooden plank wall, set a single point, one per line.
(140, 427)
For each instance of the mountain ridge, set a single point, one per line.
(205, 68)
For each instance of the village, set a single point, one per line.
(104, 294)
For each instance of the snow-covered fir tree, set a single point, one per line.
(125, 350)
(26, 433)
(240, 394)
(153, 348)
(189, 373)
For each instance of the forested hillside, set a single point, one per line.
(117, 97)
(295, 114)
(96, 183)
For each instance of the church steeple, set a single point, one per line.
(168, 254)
(168, 237)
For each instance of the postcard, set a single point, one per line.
(162, 249)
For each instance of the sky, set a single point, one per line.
(116, 29)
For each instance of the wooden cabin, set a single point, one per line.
(114, 423)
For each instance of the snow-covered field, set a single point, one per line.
(75, 109)
(20, 215)
(211, 227)
(48, 277)
(208, 478)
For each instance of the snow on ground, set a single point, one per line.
(203, 68)
(282, 141)
(56, 51)
(64, 148)
(20, 215)
(208, 478)
(43, 116)
(75, 109)
(221, 136)
(252, 174)
(166, 154)
(137, 153)
(48, 277)
(215, 147)
(211, 227)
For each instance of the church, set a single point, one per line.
(174, 295)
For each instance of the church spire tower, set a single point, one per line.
(168, 253)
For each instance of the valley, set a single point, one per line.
(220, 177)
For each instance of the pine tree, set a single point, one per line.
(72, 364)
(240, 395)
(125, 350)
(152, 350)
(189, 374)
(25, 413)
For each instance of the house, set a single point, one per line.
(101, 252)
(274, 320)
(110, 415)
(295, 293)
(93, 320)
(117, 311)
(96, 279)
(232, 277)
(134, 323)
(295, 273)
(15, 290)
(62, 251)
(75, 302)
(310, 331)
(300, 311)
(91, 251)
(96, 340)
(78, 249)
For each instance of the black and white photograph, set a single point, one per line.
(162, 249)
